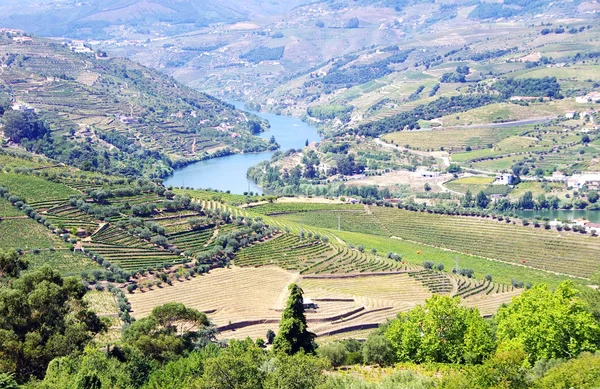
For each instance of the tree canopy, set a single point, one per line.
(440, 331)
(42, 316)
(548, 324)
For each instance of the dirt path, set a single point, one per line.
(213, 237)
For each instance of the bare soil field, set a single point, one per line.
(244, 302)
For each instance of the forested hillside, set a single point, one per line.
(110, 114)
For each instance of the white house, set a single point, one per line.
(504, 179)
(570, 114)
(428, 174)
(592, 97)
(592, 180)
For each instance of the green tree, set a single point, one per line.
(482, 200)
(581, 372)
(298, 371)
(293, 334)
(42, 316)
(19, 125)
(548, 324)
(467, 201)
(167, 332)
(440, 331)
(378, 350)
(335, 352)
(237, 367)
(11, 264)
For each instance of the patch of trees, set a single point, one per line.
(535, 87)
(263, 53)
(491, 54)
(333, 111)
(435, 109)
(23, 125)
(416, 93)
(360, 74)
(459, 76)
(42, 317)
(508, 9)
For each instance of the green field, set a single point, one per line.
(451, 139)
(8, 210)
(566, 253)
(26, 234)
(472, 183)
(33, 189)
(65, 261)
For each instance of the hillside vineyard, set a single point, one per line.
(364, 194)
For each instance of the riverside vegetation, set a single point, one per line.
(382, 257)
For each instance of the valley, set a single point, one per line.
(314, 195)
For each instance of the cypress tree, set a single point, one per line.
(293, 334)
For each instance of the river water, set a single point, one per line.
(229, 173)
(592, 216)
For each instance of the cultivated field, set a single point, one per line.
(245, 302)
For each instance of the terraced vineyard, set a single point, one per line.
(131, 253)
(311, 256)
(565, 253)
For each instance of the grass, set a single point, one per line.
(536, 188)
(26, 234)
(473, 183)
(64, 261)
(33, 189)
(273, 208)
(416, 253)
(450, 139)
(8, 210)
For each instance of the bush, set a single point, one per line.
(377, 350)
(335, 352)
(428, 264)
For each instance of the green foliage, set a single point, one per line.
(440, 331)
(170, 330)
(263, 53)
(378, 350)
(548, 324)
(335, 352)
(20, 125)
(11, 264)
(293, 334)
(7, 381)
(581, 372)
(535, 87)
(42, 316)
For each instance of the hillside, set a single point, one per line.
(310, 36)
(114, 116)
(98, 18)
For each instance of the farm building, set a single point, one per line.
(570, 114)
(504, 179)
(309, 304)
(22, 107)
(580, 180)
(428, 174)
(592, 97)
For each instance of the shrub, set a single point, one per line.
(428, 264)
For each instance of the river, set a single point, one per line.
(229, 173)
(592, 216)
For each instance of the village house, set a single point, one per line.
(504, 179)
(570, 114)
(427, 174)
(591, 180)
(592, 97)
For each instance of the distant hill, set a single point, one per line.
(113, 115)
(89, 19)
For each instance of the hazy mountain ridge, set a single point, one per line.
(90, 18)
